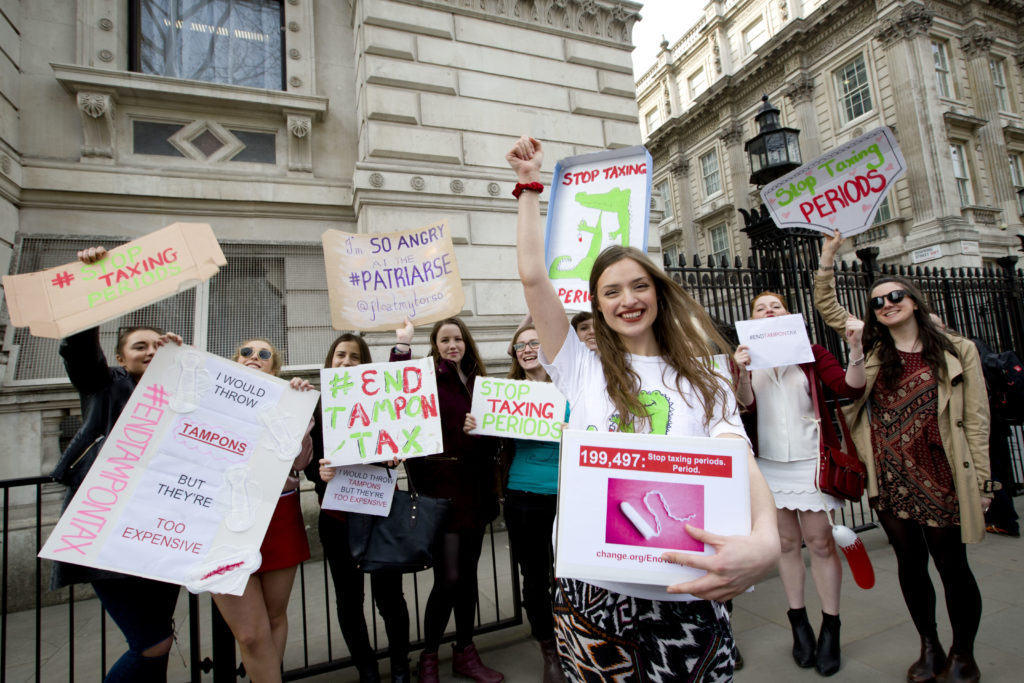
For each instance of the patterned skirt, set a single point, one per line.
(606, 636)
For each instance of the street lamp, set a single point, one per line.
(774, 151)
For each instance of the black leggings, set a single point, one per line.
(455, 561)
(913, 543)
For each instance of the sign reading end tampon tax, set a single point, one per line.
(376, 281)
(841, 190)
(60, 301)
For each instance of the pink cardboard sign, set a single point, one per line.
(60, 301)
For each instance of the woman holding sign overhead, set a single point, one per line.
(141, 608)
(347, 351)
(259, 617)
(465, 473)
(651, 338)
(787, 444)
(921, 428)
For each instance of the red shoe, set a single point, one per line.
(427, 671)
(467, 664)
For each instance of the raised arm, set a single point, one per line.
(525, 158)
(825, 299)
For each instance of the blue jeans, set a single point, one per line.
(144, 610)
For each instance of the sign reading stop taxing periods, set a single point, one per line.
(518, 409)
(841, 190)
(597, 200)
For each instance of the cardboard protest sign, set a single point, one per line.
(518, 409)
(597, 200)
(60, 301)
(377, 411)
(186, 482)
(841, 190)
(623, 499)
(775, 342)
(375, 281)
(366, 489)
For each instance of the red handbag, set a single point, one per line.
(840, 474)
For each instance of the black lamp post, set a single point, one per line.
(774, 151)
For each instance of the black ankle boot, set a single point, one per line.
(368, 672)
(803, 638)
(828, 645)
(930, 663)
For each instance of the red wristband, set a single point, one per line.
(533, 187)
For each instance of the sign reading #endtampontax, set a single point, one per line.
(841, 190)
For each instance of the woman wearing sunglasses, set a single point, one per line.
(259, 617)
(465, 474)
(531, 498)
(921, 428)
(347, 351)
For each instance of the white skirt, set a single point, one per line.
(792, 485)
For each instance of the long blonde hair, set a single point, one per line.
(686, 337)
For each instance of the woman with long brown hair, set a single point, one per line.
(653, 341)
(921, 429)
(464, 474)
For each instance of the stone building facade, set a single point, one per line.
(947, 77)
(118, 117)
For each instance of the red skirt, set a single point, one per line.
(285, 544)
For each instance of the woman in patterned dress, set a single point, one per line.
(922, 430)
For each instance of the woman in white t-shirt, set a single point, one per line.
(647, 376)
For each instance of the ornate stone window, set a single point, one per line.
(853, 89)
(943, 77)
(1017, 178)
(997, 65)
(718, 236)
(697, 83)
(962, 173)
(754, 36)
(666, 199)
(710, 174)
(220, 41)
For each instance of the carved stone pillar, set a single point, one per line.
(680, 167)
(300, 156)
(97, 111)
(923, 140)
(800, 91)
(739, 174)
(975, 44)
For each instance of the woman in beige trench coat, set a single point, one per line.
(921, 429)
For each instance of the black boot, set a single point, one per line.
(400, 670)
(930, 663)
(803, 638)
(828, 645)
(368, 672)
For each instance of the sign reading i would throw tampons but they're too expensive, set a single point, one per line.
(365, 489)
(774, 342)
(518, 409)
(379, 411)
(186, 482)
(841, 190)
(624, 499)
(376, 281)
(57, 302)
(597, 200)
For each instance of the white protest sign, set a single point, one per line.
(841, 190)
(375, 281)
(187, 480)
(366, 489)
(597, 200)
(775, 342)
(623, 500)
(377, 411)
(518, 409)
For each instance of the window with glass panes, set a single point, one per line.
(666, 198)
(697, 83)
(943, 79)
(962, 173)
(653, 120)
(884, 212)
(998, 69)
(238, 42)
(265, 290)
(853, 89)
(1017, 178)
(754, 36)
(719, 236)
(709, 172)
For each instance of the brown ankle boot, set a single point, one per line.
(931, 661)
(552, 665)
(427, 671)
(467, 664)
(959, 669)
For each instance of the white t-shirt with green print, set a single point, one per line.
(576, 371)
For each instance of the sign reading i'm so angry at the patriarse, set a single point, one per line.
(841, 190)
(380, 411)
(518, 409)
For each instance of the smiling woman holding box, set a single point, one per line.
(650, 337)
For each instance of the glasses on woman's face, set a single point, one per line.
(533, 344)
(895, 296)
(246, 351)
